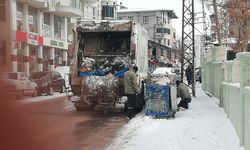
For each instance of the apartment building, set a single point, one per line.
(40, 30)
(157, 22)
(5, 37)
(40, 33)
(99, 9)
(162, 35)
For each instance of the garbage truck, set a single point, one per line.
(102, 53)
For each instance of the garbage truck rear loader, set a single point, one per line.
(102, 53)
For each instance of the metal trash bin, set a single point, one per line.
(159, 102)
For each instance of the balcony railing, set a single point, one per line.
(66, 9)
(34, 3)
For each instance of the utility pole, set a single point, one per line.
(188, 47)
(204, 49)
(217, 21)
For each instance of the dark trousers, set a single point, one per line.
(131, 105)
(183, 103)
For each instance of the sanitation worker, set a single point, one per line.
(184, 94)
(131, 89)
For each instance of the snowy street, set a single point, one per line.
(204, 126)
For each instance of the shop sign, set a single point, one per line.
(21, 36)
(30, 19)
(19, 15)
(32, 39)
(53, 43)
(58, 44)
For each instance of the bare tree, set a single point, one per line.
(238, 12)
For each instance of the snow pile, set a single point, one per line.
(162, 71)
(203, 127)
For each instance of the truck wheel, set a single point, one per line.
(81, 106)
(84, 108)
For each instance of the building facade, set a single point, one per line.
(5, 38)
(160, 55)
(157, 22)
(162, 35)
(40, 30)
(99, 9)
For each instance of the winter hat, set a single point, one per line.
(135, 68)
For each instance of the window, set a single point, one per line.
(145, 20)
(174, 35)
(93, 12)
(169, 54)
(161, 51)
(32, 20)
(58, 27)
(163, 30)
(159, 41)
(3, 52)
(130, 18)
(120, 18)
(107, 11)
(2, 11)
(158, 30)
(164, 20)
(158, 20)
(168, 42)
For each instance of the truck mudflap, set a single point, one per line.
(98, 92)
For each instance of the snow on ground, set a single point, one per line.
(42, 98)
(204, 126)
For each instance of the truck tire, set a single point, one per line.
(81, 106)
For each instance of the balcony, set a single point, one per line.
(46, 30)
(160, 35)
(34, 3)
(66, 11)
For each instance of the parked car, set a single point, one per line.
(163, 72)
(48, 82)
(19, 84)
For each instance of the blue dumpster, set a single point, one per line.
(158, 101)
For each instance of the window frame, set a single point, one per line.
(145, 19)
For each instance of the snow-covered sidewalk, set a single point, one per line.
(204, 126)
